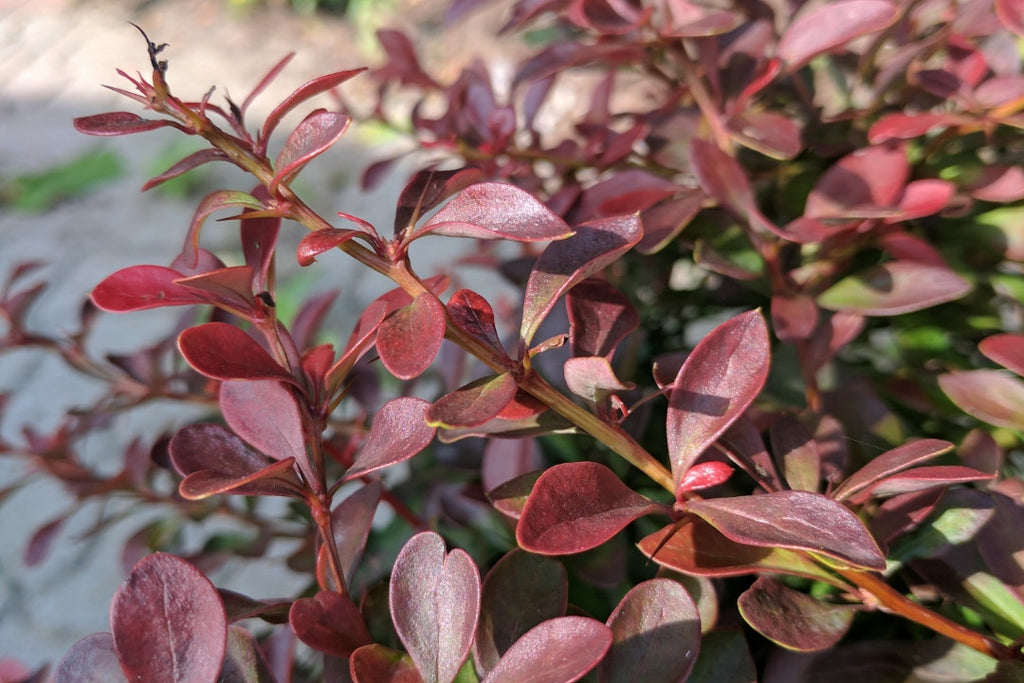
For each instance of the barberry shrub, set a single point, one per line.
(745, 420)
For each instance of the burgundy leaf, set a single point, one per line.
(770, 133)
(376, 663)
(319, 241)
(567, 262)
(140, 287)
(799, 520)
(265, 81)
(352, 519)
(168, 622)
(506, 459)
(118, 123)
(656, 629)
(509, 498)
(259, 238)
(409, 338)
(214, 461)
(578, 506)
(923, 478)
(894, 288)
(864, 184)
(303, 93)
(470, 313)
(215, 201)
(496, 211)
(742, 443)
(227, 288)
(308, 320)
(244, 661)
(721, 177)
(521, 591)
(223, 351)
(794, 316)
(719, 379)
(426, 190)
(266, 414)
(359, 342)
(793, 619)
(329, 622)
(312, 137)
(91, 660)
(42, 539)
(435, 604)
(1005, 349)
(796, 452)
(704, 475)
(831, 25)
(558, 650)
(902, 126)
(203, 156)
(902, 513)
(473, 404)
(399, 431)
(599, 317)
(889, 463)
(592, 378)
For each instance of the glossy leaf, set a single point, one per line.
(656, 631)
(558, 650)
(319, 241)
(567, 262)
(215, 201)
(470, 313)
(312, 88)
(793, 619)
(889, 463)
(473, 404)
(599, 317)
(168, 622)
(521, 591)
(214, 461)
(992, 396)
(311, 138)
(228, 288)
(704, 475)
(141, 287)
(831, 25)
(399, 431)
(496, 211)
(1005, 349)
(894, 288)
(428, 188)
(798, 520)
(409, 338)
(578, 506)
(435, 604)
(329, 622)
(719, 379)
(90, 660)
(223, 351)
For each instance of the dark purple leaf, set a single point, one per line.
(742, 443)
(719, 379)
(409, 338)
(376, 663)
(223, 351)
(724, 658)
(799, 520)
(399, 431)
(312, 137)
(793, 619)
(902, 513)
(118, 123)
(1005, 349)
(473, 404)
(592, 378)
(795, 452)
(565, 263)
(831, 25)
(303, 93)
(656, 629)
(308, 320)
(91, 660)
(889, 463)
(259, 238)
(521, 591)
(141, 287)
(329, 622)
(894, 288)
(599, 317)
(359, 342)
(578, 506)
(203, 156)
(435, 605)
(470, 313)
(496, 211)
(558, 650)
(352, 519)
(168, 622)
(244, 661)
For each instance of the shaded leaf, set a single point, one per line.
(470, 313)
(724, 658)
(894, 288)
(599, 317)
(352, 519)
(408, 339)
(796, 452)
(558, 650)
(399, 431)
(90, 660)
(866, 183)
(831, 25)
(244, 661)
(473, 404)
(376, 663)
(792, 619)
(956, 519)
(329, 622)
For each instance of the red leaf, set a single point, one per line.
(227, 288)
(770, 133)
(496, 211)
(600, 316)
(894, 288)
(592, 378)
(794, 316)
(409, 338)
(352, 520)
(399, 431)
(203, 156)
(558, 650)
(1000, 184)
(329, 622)
(830, 26)
(118, 123)
(799, 520)
(91, 660)
(168, 622)
(578, 506)
(704, 475)
(656, 630)
(1005, 349)
(567, 262)
(376, 663)
(900, 126)
(266, 414)
(359, 341)
(319, 241)
(312, 137)
(717, 382)
(141, 287)
(864, 184)
(303, 93)
(1011, 13)
(890, 462)
(923, 478)
(223, 351)
(923, 198)
(470, 312)
(473, 404)
(793, 619)
(215, 201)
(259, 238)
(721, 177)
(435, 604)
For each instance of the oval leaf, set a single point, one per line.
(409, 338)
(894, 288)
(714, 386)
(792, 619)
(830, 26)
(565, 263)
(992, 396)
(319, 241)
(470, 313)
(435, 604)
(864, 184)
(557, 651)
(1005, 349)
(399, 431)
(578, 506)
(496, 211)
(656, 629)
(799, 520)
(140, 287)
(473, 404)
(168, 622)
(223, 351)
(91, 660)
(592, 378)
(600, 316)
(312, 137)
(244, 661)
(329, 622)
